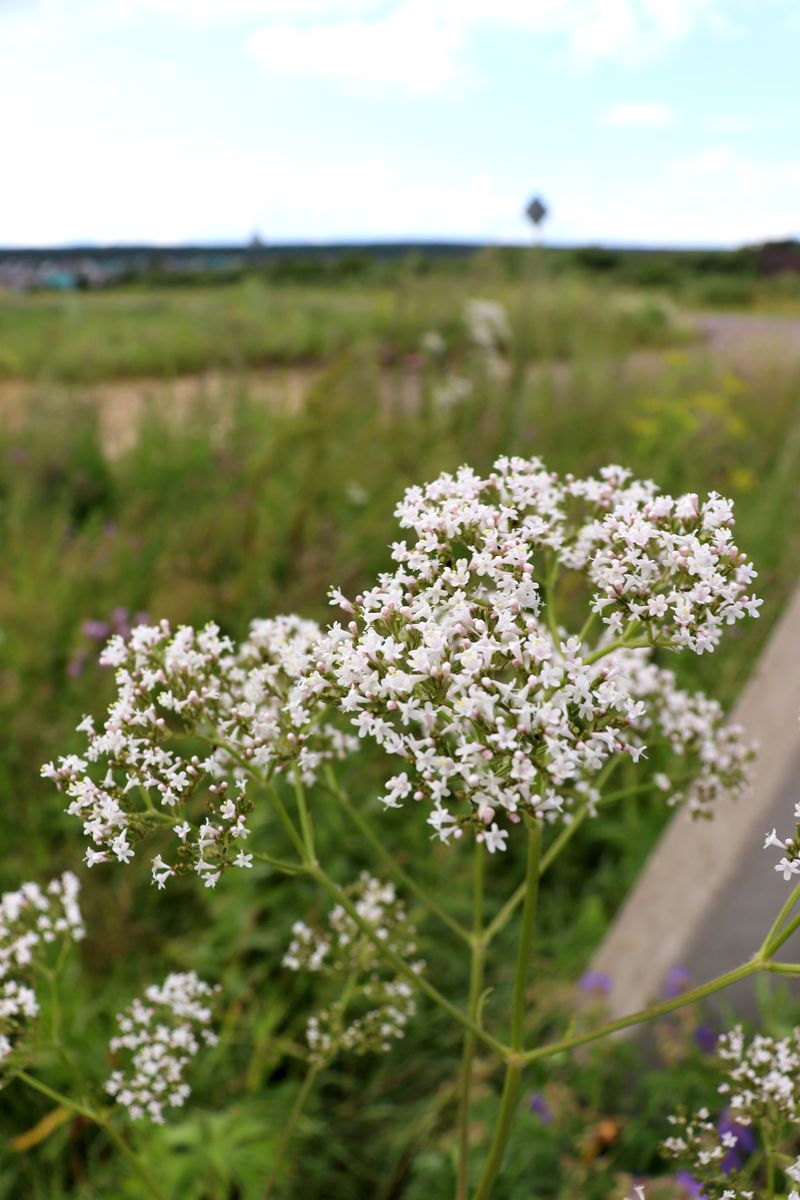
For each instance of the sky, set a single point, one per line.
(640, 122)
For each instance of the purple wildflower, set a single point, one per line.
(99, 630)
(706, 1038)
(676, 981)
(691, 1189)
(745, 1142)
(596, 982)
(537, 1104)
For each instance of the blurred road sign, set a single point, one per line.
(536, 210)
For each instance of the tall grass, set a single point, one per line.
(88, 337)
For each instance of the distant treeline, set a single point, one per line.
(390, 262)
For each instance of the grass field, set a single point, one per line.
(245, 508)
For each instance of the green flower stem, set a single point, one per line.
(400, 965)
(549, 604)
(781, 968)
(133, 1158)
(770, 1159)
(770, 939)
(587, 625)
(619, 643)
(504, 915)
(402, 877)
(306, 827)
(649, 1014)
(97, 1118)
(553, 851)
(477, 959)
(515, 1062)
(58, 1098)
(526, 934)
(286, 820)
(280, 864)
(783, 936)
(289, 1127)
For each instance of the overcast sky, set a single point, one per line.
(671, 122)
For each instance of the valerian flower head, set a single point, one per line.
(193, 714)
(454, 664)
(159, 1034)
(371, 1007)
(34, 922)
(761, 1090)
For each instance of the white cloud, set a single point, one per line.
(424, 44)
(230, 10)
(650, 116)
(408, 47)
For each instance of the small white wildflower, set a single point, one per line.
(159, 1035)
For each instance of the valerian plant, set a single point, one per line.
(506, 721)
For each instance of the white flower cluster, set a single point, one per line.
(762, 1090)
(32, 919)
(487, 325)
(159, 1035)
(448, 663)
(371, 1008)
(712, 758)
(192, 713)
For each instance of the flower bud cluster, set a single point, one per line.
(762, 1091)
(159, 1035)
(448, 664)
(193, 713)
(32, 921)
(371, 1008)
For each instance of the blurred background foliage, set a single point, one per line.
(249, 493)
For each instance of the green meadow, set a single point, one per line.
(241, 498)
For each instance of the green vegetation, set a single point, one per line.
(246, 508)
(85, 337)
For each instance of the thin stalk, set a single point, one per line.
(779, 920)
(58, 1097)
(133, 1158)
(97, 1119)
(770, 1172)
(306, 827)
(401, 966)
(280, 864)
(783, 936)
(289, 1127)
(477, 958)
(514, 1065)
(504, 915)
(526, 935)
(550, 607)
(618, 644)
(393, 867)
(587, 625)
(505, 1117)
(781, 968)
(286, 821)
(502, 918)
(648, 1014)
